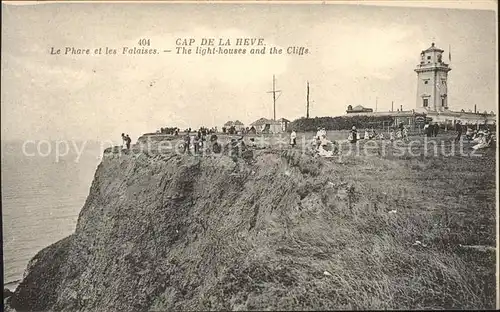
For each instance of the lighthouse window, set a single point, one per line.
(429, 57)
(426, 102)
(426, 81)
(442, 102)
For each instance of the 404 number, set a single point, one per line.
(144, 42)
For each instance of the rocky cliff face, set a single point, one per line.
(172, 232)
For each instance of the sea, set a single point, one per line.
(44, 187)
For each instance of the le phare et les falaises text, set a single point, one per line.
(203, 46)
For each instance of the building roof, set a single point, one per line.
(229, 123)
(471, 113)
(420, 110)
(432, 49)
(259, 122)
(283, 120)
(238, 123)
(358, 107)
(264, 121)
(383, 113)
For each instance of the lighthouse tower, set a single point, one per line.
(432, 87)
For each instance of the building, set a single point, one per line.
(432, 97)
(406, 117)
(432, 77)
(238, 125)
(264, 125)
(284, 124)
(358, 109)
(432, 92)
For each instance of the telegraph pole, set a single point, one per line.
(274, 97)
(307, 113)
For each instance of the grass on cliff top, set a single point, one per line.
(391, 240)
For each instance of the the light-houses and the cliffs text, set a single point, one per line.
(238, 46)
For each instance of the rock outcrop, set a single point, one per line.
(165, 232)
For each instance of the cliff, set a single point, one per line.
(283, 230)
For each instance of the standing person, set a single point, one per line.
(392, 135)
(399, 131)
(354, 134)
(427, 130)
(293, 138)
(405, 134)
(128, 140)
(187, 142)
(200, 137)
(203, 140)
(196, 144)
(124, 140)
(436, 129)
(458, 127)
(318, 137)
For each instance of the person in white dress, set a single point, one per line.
(317, 138)
(367, 135)
(323, 132)
(293, 138)
(405, 133)
(318, 133)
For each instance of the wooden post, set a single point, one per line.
(307, 113)
(274, 98)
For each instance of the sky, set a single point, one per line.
(359, 55)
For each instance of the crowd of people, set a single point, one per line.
(207, 143)
(431, 129)
(206, 138)
(175, 131)
(323, 146)
(482, 138)
(399, 132)
(239, 131)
